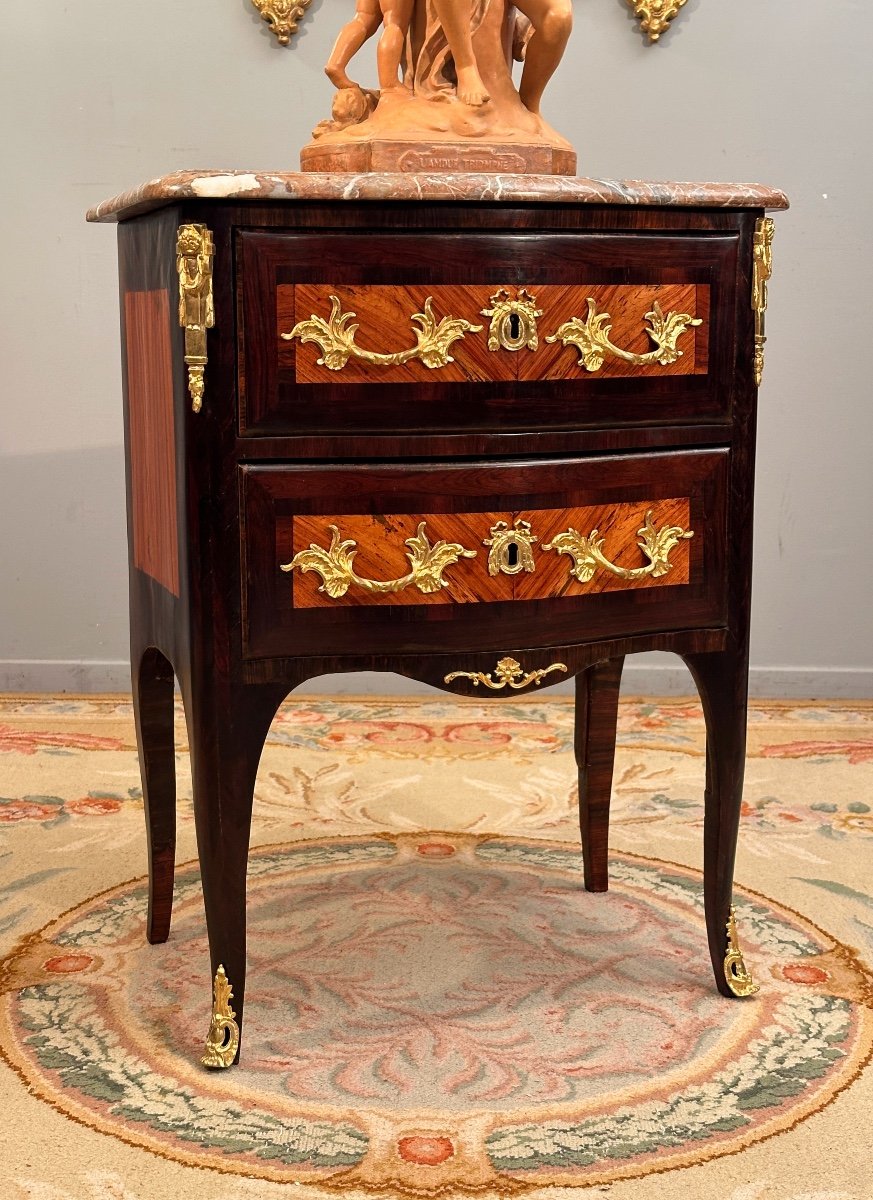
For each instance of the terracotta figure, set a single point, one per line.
(552, 23)
(454, 16)
(396, 17)
(447, 100)
(367, 19)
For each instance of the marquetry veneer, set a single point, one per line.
(486, 444)
(385, 279)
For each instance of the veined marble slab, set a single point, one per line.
(555, 189)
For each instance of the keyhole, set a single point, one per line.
(514, 328)
(512, 555)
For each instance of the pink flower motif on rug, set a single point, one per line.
(51, 810)
(68, 964)
(26, 810)
(426, 1151)
(93, 806)
(26, 741)
(855, 751)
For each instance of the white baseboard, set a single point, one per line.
(641, 677)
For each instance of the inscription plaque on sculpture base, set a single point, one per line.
(423, 158)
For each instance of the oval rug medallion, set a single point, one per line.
(439, 1013)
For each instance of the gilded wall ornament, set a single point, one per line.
(655, 15)
(282, 16)
(434, 339)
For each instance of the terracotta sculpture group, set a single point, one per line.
(446, 91)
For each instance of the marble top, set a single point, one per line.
(554, 189)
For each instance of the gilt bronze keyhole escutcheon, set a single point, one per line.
(513, 321)
(511, 548)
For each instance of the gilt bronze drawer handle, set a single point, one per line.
(587, 552)
(736, 973)
(591, 337)
(194, 252)
(336, 338)
(508, 673)
(513, 322)
(336, 565)
(511, 549)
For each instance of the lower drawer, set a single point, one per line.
(418, 559)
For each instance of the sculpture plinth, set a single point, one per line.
(418, 157)
(456, 107)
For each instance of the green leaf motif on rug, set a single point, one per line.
(88, 1058)
(10, 921)
(771, 1071)
(20, 885)
(838, 889)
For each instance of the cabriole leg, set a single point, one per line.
(153, 714)
(597, 691)
(722, 680)
(227, 726)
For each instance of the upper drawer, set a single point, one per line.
(407, 333)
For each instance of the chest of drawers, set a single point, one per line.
(486, 433)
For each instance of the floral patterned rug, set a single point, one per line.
(436, 1007)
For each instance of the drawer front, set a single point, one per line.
(340, 560)
(407, 333)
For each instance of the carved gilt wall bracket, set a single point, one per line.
(655, 15)
(282, 16)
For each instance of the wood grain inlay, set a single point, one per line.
(382, 554)
(383, 314)
(627, 307)
(152, 436)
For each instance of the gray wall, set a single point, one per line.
(99, 96)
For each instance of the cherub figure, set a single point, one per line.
(396, 17)
(551, 23)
